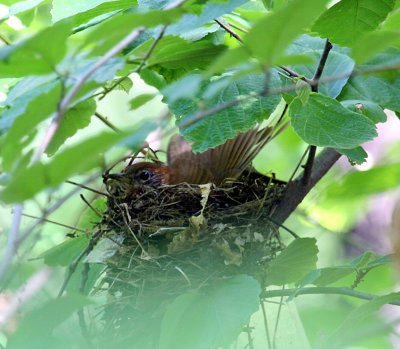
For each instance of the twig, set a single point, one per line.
(5, 40)
(72, 267)
(55, 223)
(90, 206)
(314, 88)
(12, 242)
(105, 121)
(31, 287)
(55, 123)
(141, 65)
(293, 292)
(228, 29)
(87, 188)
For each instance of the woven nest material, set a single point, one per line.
(180, 237)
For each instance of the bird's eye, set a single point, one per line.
(145, 175)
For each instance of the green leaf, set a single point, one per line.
(22, 6)
(23, 129)
(65, 253)
(176, 53)
(75, 160)
(384, 92)
(367, 108)
(34, 330)
(373, 43)
(141, 100)
(34, 56)
(355, 155)
(294, 262)
(286, 24)
(213, 130)
(360, 16)
(360, 183)
(324, 122)
(75, 118)
(210, 317)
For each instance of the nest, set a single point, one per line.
(175, 238)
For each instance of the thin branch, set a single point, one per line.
(321, 65)
(12, 242)
(55, 123)
(87, 188)
(345, 291)
(5, 40)
(228, 29)
(141, 65)
(55, 223)
(30, 288)
(105, 121)
(314, 88)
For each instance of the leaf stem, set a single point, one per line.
(345, 291)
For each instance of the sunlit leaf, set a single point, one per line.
(324, 122)
(360, 16)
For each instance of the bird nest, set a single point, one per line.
(174, 238)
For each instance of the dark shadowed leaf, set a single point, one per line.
(355, 155)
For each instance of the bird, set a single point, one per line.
(215, 165)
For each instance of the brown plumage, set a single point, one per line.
(226, 161)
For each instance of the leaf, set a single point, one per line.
(383, 92)
(75, 118)
(77, 159)
(367, 108)
(216, 129)
(34, 56)
(286, 23)
(23, 128)
(210, 317)
(65, 253)
(294, 262)
(360, 183)
(34, 330)
(355, 155)
(324, 122)
(22, 6)
(373, 43)
(177, 53)
(141, 100)
(360, 16)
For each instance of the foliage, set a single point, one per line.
(261, 59)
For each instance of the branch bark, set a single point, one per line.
(296, 190)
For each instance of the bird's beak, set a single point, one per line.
(115, 176)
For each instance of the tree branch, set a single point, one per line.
(296, 190)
